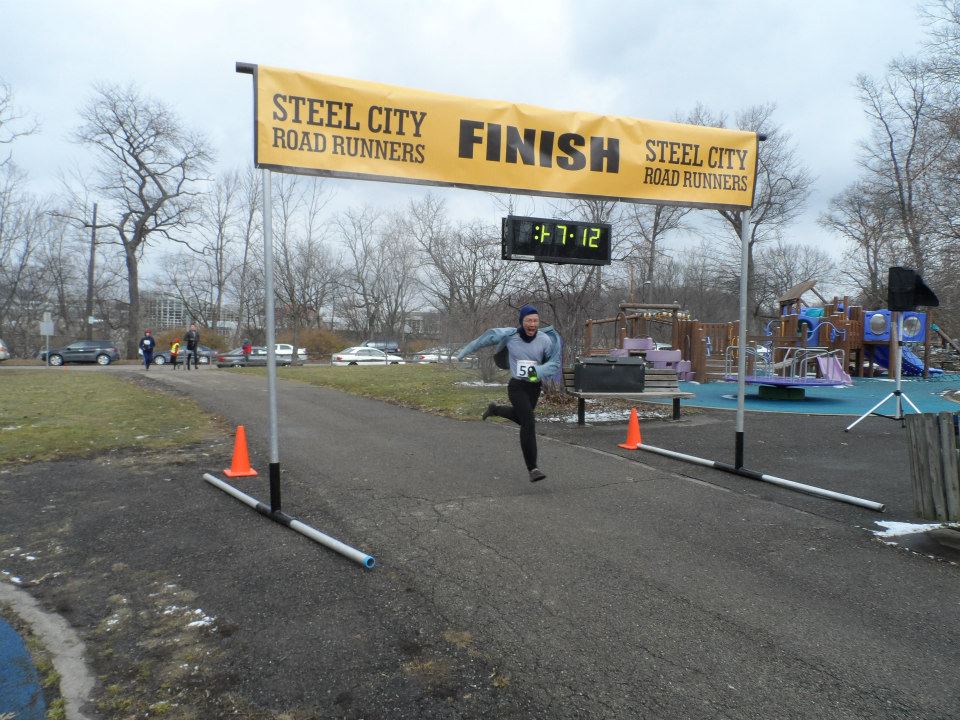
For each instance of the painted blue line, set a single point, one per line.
(20, 693)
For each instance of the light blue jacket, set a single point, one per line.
(499, 337)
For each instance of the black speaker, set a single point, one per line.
(906, 290)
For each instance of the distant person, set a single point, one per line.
(147, 345)
(192, 339)
(174, 352)
(532, 353)
(246, 349)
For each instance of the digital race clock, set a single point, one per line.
(555, 241)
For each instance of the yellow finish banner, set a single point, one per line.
(323, 125)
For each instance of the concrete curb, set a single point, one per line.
(64, 645)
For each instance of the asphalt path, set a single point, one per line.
(622, 586)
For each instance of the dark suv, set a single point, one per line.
(102, 352)
(388, 346)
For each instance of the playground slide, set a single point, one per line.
(911, 365)
(831, 369)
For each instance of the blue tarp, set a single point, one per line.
(20, 693)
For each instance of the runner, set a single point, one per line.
(193, 346)
(147, 344)
(532, 353)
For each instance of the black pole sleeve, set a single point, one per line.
(274, 488)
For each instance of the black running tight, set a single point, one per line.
(523, 396)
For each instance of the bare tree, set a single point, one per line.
(147, 172)
(645, 227)
(942, 44)
(866, 217)
(703, 289)
(358, 302)
(14, 123)
(905, 148)
(21, 237)
(782, 187)
(782, 265)
(304, 269)
(247, 285)
(218, 229)
(462, 277)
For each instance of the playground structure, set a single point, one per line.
(629, 334)
(823, 345)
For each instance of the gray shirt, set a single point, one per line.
(523, 355)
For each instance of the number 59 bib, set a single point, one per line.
(525, 368)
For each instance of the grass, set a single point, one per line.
(440, 389)
(50, 414)
(435, 388)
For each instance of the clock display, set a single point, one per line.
(555, 241)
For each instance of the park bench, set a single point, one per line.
(658, 383)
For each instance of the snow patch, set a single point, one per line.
(604, 416)
(204, 621)
(894, 529)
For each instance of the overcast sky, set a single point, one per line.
(646, 59)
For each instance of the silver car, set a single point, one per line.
(365, 356)
(4, 350)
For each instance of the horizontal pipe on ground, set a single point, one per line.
(773, 479)
(366, 560)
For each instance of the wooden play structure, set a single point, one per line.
(700, 350)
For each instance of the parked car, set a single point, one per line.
(204, 354)
(365, 356)
(390, 346)
(4, 350)
(102, 352)
(436, 355)
(257, 358)
(287, 350)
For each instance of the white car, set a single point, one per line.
(436, 355)
(365, 356)
(287, 349)
(4, 351)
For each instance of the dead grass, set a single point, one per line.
(55, 413)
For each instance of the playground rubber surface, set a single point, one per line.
(856, 399)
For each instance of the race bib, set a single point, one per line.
(525, 368)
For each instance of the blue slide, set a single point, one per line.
(911, 364)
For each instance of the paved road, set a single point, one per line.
(620, 587)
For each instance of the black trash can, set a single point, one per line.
(609, 375)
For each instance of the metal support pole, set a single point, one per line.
(271, 342)
(772, 479)
(742, 341)
(896, 363)
(357, 556)
(91, 266)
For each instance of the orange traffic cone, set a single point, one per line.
(240, 466)
(633, 433)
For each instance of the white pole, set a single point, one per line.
(772, 479)
(742, 340)
(271, 342)
(366, 560)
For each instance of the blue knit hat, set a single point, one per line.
(527, 310)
